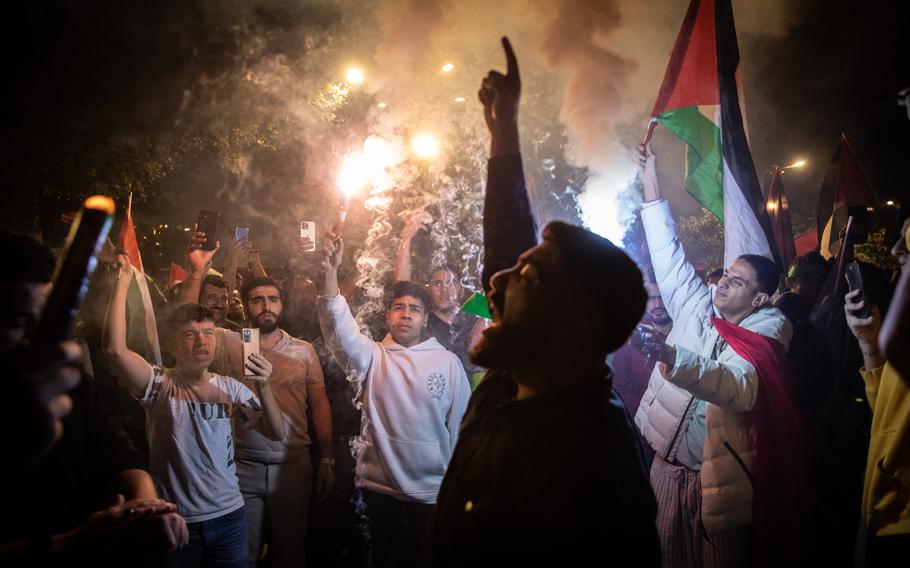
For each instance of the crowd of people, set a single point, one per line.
(612, 412)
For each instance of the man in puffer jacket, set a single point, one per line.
(696, 412)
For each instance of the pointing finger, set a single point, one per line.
(511, 60)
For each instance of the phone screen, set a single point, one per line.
(241, 233)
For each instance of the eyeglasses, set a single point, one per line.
(441, 283)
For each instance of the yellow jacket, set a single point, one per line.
(886, 494)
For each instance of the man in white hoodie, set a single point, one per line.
(414, 395)
(697, 410)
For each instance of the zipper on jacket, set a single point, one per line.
(740, 461)
(678, 427)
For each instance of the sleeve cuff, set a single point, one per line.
(686, 361)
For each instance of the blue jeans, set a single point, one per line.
(217, 542)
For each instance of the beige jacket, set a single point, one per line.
(728, 384)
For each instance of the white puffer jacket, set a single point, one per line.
(728, 384)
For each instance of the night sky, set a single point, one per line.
(106, 96)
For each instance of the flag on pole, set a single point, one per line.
(128, 241)
(699, 101)
(177, 274)
(141, 338)
(779, 212)
(844, 187)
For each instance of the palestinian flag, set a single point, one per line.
(177, 274)
(779, 213)
(845, 191)
(142, 329)
(699, 103)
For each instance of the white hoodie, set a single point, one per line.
(413, 401)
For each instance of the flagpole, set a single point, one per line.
(650, 132)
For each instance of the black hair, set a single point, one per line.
(766, 272)
(255, 283)
(213, 280)
(408, 288)
(26, 260)
(441, 268)
(716, 273)
(186, 313)
(611, 280)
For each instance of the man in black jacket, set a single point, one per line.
(547, 469)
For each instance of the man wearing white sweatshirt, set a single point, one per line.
(414, 395)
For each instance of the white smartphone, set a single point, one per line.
(250, 337)
(308, 231)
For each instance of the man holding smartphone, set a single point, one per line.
(189, 411)
(276, 477)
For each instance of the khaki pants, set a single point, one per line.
(683, 539)
(277, 493)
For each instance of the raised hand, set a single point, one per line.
(333, 247)
(500, 94)
(239, 252)
(198, 257)
(647, 172)
(652, 345)
(123, 273)
(415, 223)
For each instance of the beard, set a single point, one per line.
(269, 326)
(505, 348)
(660, 317)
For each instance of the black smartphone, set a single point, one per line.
(74, 270)
(208, 224)
(855, 282)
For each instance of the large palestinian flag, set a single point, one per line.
(699, 102)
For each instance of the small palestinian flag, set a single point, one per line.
(142, 329)
(845, 191)
(699, 103)
(779, 212)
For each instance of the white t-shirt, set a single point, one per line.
(191, 444)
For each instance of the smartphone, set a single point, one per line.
(308, 231)
(241, 233)
(855, 282)
(250, 337)
(208, 223)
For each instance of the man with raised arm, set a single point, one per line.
(548, 470)
(188, 424)
(414, 395)
(454, 329)
(715, 443)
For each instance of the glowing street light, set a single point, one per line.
(459, 99)
(448, 67)
(354, 76)
(382, 104)
(424, 146)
